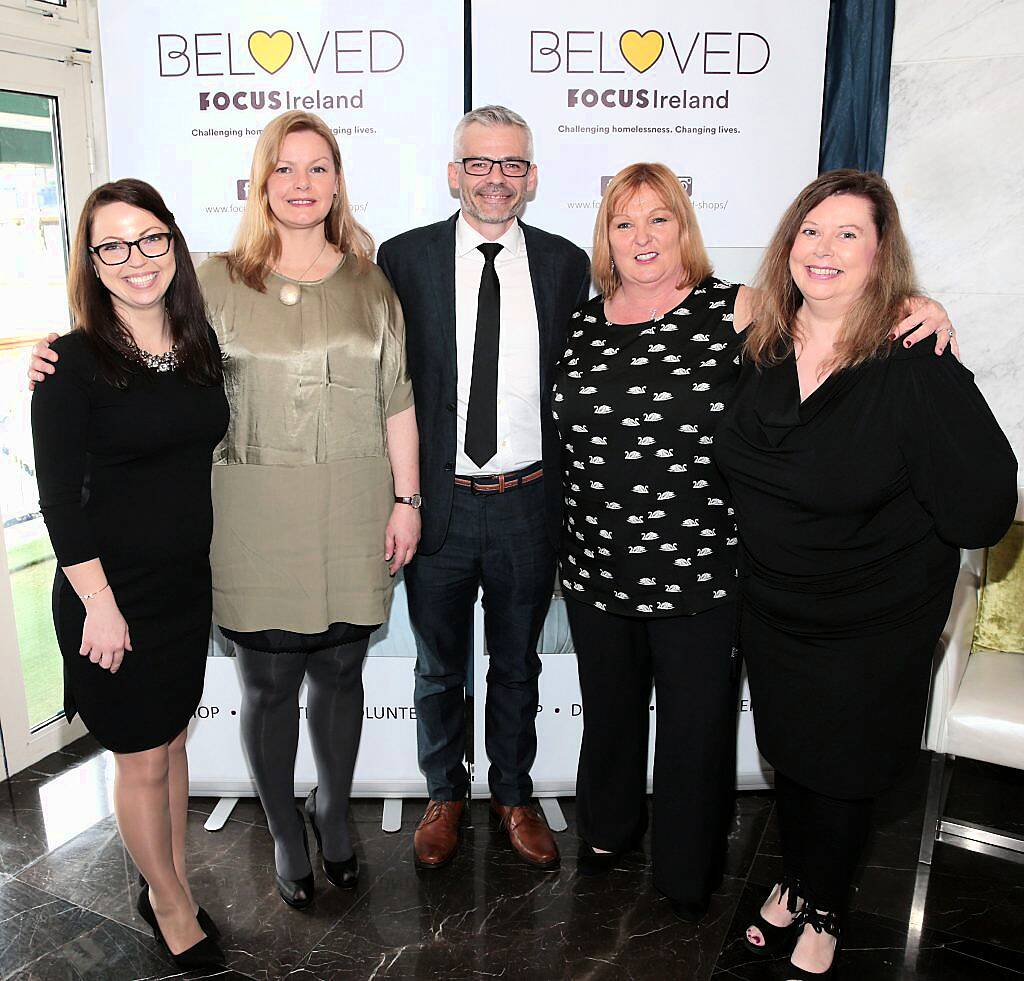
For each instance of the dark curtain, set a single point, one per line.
(855, 107)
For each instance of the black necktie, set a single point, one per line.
(482, 414)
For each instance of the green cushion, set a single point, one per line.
(1000, 624)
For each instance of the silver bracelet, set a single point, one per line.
(89, 596)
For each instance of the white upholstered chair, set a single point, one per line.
(976, 711)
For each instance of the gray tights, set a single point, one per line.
(270, 734)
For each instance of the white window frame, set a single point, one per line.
(46, 67)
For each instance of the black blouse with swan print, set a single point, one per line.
(649, 530)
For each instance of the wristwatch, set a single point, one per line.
(414, 502)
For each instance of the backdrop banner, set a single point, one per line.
(727, 94)
(190, 85)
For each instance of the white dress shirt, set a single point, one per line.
(519, 439)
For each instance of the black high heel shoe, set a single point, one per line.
(819, 923)
(298, 893)
(777, 939)
(206, 923)
(345, 874)
(202, 955)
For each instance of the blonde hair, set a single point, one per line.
(869, 320)
(257, 245)
(663, 183)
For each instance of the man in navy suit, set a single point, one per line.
(486, 301)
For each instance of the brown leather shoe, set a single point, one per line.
(528, 833)
(437, 835)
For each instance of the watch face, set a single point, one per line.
(417, 501)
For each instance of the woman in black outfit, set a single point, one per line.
(124, 436)
(857, 471)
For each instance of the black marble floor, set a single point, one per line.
(67, 897)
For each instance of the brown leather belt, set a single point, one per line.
(500, 482)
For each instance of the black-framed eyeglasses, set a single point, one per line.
(117, 253)
(482, 166)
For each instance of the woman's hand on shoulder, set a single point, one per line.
(43, 359)
(105, 635)
(401, 537)
(925, 317)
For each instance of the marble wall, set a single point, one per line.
(955, 161)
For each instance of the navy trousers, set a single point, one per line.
(498, 542)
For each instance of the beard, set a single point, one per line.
(514, 210)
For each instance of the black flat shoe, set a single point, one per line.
(298, 893)
(200, 956)
(345, 874)
(777, 939)
(206, 923)
(592, 863)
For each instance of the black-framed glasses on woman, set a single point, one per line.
(152, 246)
(482, 166)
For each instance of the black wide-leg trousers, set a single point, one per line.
(689, 662)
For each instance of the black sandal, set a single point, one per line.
(819, 922)
(777, 939)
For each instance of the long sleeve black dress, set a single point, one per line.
(124, 475)
(851, 507)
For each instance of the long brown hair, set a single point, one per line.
(665, 185)
(890, 282)
(257, 245)
(92, 306)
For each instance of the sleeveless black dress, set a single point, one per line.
(124, 475)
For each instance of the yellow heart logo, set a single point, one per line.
(271, 51)
(641, 50)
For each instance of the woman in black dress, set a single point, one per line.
(124, 435)
(857, 471)
(649, 549)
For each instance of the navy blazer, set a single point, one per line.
(421, 266)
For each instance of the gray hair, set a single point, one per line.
(491, 116)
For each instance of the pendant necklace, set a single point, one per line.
(291, 293)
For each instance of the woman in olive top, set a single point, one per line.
(316, 484)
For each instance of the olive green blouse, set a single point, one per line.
(302, 486)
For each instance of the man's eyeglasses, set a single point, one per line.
(116, 253)
(482, 166)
